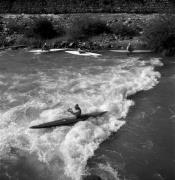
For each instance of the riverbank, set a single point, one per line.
(129, 27)
(90, 31)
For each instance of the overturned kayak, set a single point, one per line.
(68, 121)
(83, 54)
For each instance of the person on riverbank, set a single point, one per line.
(77, 112)
(130, 48)
(45, 47)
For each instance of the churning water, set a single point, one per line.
(40, 88)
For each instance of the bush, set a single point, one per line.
(60, 29)
(41, 28)
(85, 27)
(160, 33)
(14, 26)
(31, 42)
(2, 41)
(124, 30)
(1, 27)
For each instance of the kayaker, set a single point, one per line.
(130, 48)
(45, 47)
(77, 112)
(81, 51)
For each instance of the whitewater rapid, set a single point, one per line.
(46, 95)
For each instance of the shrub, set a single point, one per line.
(2, 41)
(31, 42)
(41, 28)
(1, 26)
(85, 27)
(160, 33)
(35, 43)
(60, 29)
(14, 26)
(124, 30)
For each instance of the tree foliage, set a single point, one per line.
(160, 33)
(73, 6)
(85, 27)
(125, 30)
(41, 28)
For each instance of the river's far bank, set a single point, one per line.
(14, 27)
(89, 31)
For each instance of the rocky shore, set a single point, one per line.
(90, 31)
(11, 36)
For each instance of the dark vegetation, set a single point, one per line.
(78, 6)
(157, 33)
(41, 29)
(36, 30)
(160, 34)
(1, 27)
(125, 29)
(85, 27)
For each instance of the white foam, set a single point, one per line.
(81, 142)
(156, 62)
(107, 167)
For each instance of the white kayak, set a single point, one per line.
(83, 54)
(38, 51)
(135, 51)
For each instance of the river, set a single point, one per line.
(133, 141)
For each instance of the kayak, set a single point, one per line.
(38, 51)
(68, 121)
(135, 51)
(83, 54)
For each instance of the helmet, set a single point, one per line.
(76, 106)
